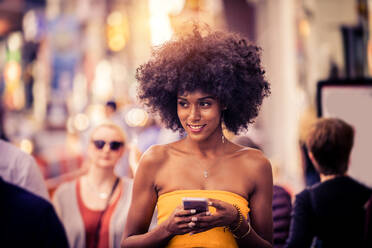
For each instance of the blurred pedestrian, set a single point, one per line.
(93, 208)
(18, 167)
(28, 220)
(332, 211)
(123, 167)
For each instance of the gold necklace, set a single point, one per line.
(205, 171)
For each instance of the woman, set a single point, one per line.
(196, 83)
(94, 207)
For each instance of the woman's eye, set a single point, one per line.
(182, 104)
(205, 104)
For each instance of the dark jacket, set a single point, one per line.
(332, 211)
(28, 220)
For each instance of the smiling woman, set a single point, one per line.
(196, 83)
(199, 114)
(94, 207)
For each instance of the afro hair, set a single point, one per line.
(219, 63)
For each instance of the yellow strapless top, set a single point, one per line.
(216, 237)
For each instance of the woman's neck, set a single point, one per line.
(101, 176)
(213, 145)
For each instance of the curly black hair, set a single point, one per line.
(219, 63)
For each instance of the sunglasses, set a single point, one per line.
(114, 145)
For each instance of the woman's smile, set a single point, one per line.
(196, 128)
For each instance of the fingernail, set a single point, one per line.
(208, 213)
(194, 219)
(193, 211)
(210, 203)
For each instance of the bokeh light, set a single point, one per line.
(136, 117)
(81, 122)
(26, 145)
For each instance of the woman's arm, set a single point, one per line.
(144, 199)
(143, 203)
(260, 202)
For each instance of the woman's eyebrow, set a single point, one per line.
(199, 99)
(206, 98)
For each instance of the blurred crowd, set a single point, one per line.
(72, 133)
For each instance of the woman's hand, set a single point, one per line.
(182, 221)
(225, 215)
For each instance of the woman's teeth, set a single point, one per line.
(196, 127)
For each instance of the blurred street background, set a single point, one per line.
(61, 61)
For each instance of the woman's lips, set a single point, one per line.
(196, 128)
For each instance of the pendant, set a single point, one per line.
(205, 174)
(103, 196)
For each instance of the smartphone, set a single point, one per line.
(199, 204)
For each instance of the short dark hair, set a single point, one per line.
(330, 140)
(111, 104)
(222, 64)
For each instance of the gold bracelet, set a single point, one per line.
(245, 234)
(240, 216)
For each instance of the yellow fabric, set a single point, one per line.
(216, 237)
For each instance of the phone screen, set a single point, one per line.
(199, 204)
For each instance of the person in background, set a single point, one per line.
(93, 208)
(331, 211)
(282, 203)
(123, 167)
(110, 108)
(197, 83)
(368, 224)
(113, 115)
(307, 118)
(282, 207)
(28, 220)
(18, 167)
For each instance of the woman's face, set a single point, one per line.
(199, 114)
(106, 147)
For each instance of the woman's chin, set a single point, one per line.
(105, 165)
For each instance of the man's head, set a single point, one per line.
(329, 142)
(110, 108)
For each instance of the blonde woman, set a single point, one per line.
(93, 208)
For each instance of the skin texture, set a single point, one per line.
(233, 168)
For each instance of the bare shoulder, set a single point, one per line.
(154, 157)
(255, 161)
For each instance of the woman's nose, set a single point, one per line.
(195, 113)
(106, 147)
